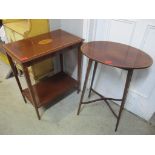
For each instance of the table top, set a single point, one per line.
(116, 55)
(31, 48)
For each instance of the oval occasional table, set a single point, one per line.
(115, 55)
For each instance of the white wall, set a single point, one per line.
(74, 26)
(55, 24)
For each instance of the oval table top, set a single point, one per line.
(116, 55)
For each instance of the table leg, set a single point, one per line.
(94, 72)
(127, 85)
(79, 67)
(85, 83)
(15, 72)
(31, 91)
(61, 62)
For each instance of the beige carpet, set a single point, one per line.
(16, 117)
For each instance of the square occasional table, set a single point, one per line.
(32, 50)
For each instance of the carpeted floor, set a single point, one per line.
(16, 117)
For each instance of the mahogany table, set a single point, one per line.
(32, 50)
(114, 55)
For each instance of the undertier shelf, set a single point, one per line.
(50, 89)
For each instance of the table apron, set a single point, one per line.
(32, 62)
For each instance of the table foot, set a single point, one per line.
(37, 112)
(9, 74)
(78, 91)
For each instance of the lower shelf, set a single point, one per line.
(51, 88)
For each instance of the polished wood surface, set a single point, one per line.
(30, 49)
(49, 89)
(116, 55)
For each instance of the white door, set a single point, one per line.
(110, 81)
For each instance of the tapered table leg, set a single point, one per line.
(61, 62)
(79, 67)
(127, 85)
(15, 72)
(92, 81)
(31, 91)
(85, 83)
